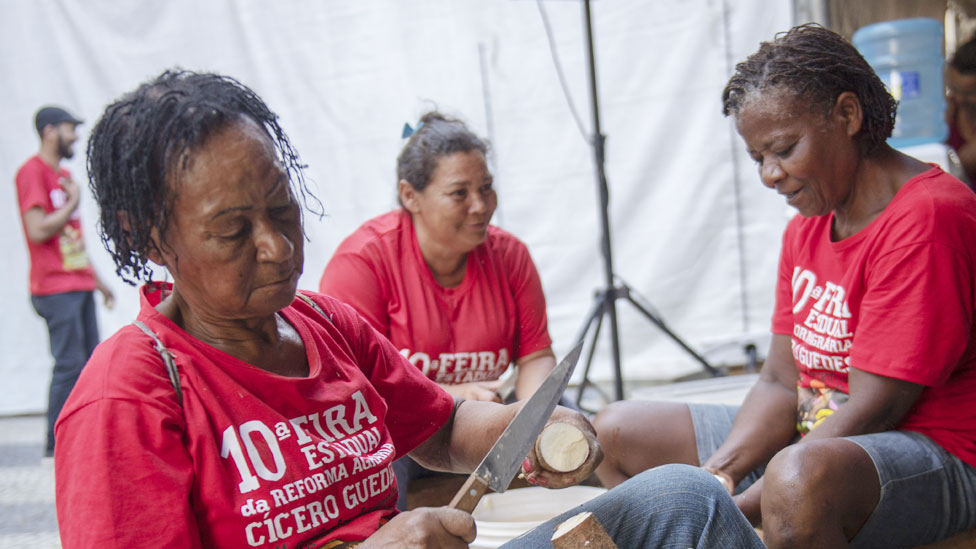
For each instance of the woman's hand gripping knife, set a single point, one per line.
(444, 527)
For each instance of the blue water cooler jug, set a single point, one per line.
(907, 55)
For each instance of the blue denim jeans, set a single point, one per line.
(927, 494)
(73, 334)
(672, 506)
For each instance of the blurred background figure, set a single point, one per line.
(961, 106)
(61, 276)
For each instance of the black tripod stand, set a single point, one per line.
(605, 304)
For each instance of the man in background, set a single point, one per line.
(961, 106)
(62, 279)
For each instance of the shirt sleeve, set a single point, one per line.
(351, 278)
(30, 189)
(416, 406)
(916, 319)
(123, 478)
(533, 334)
(783, 309)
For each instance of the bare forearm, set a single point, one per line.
(876, 404)
(42, 227)
(764, 425)
(533, 370)
(460, 445)
(766, 421)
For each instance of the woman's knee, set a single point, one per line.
(822, 485)
(610, 420)
(794, 474)
(651, 427)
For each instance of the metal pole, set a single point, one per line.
(599, 141)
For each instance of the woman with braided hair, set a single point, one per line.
(861, 427)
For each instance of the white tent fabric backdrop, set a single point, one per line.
(694, 232)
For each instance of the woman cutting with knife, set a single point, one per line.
(281, 414)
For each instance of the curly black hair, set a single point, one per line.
(436, 136)
(146, 134)
(817, 65)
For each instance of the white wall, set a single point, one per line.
(345, 76)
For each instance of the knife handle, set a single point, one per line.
(470, 494)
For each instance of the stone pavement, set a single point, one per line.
(27, 515)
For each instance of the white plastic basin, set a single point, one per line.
(501, 517)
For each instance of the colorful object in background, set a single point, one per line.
(907, 55)
(815, 404)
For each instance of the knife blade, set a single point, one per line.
(505, 458)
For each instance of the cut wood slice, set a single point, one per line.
(582, 530)
(562, 447)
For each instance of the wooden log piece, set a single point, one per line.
(581, 531)
(561, 447)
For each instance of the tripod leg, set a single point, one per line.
(618, 380)
(595, 315)
(660, 324)
(589, 360)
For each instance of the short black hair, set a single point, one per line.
(436, 136)
(145, 134)
(964, 60)
(817, 65)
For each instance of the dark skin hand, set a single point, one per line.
(425, 527)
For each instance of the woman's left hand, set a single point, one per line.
(535, 474)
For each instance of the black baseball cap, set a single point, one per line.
(53, 116)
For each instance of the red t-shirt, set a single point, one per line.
(59, 264)
(251, 459)
(454, 335)
(896, 299)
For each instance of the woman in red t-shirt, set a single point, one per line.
(873, 354)
(458, 297)
(235, 413)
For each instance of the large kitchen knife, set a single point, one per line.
(505, 458)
